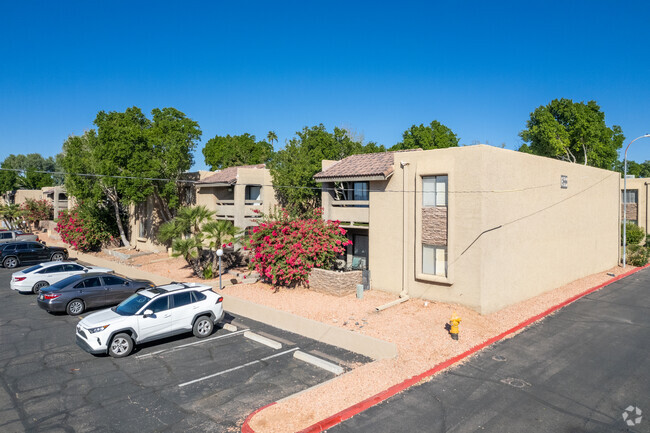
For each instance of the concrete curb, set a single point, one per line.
(352, 341)
(378, 398)
(318, 362)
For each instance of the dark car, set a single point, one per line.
(17, 253)
(77, 293)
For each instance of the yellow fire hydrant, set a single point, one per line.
(454, 322)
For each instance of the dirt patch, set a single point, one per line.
(417, 328)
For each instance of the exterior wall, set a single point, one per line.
(230, 203)
(334, 283)
(512, 231)
(23, 194)
(638, 211)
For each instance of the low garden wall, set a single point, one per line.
(334, 282)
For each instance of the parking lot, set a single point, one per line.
(178, 384)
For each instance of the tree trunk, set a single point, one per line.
(112, 196)
(164, 209)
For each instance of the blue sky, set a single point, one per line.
(478, 67)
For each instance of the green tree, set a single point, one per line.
(574, 132)
(294, 166)
(131, 158)
(26, 172)
(230, 151)
(434, 136)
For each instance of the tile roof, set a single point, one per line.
(368, 164)
(228, 175)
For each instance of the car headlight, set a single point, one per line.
(98, 329)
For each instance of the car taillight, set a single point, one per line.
(51, 295)
(219, 300)
(19, 278)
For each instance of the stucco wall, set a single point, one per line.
(513, 232)
(333, 282)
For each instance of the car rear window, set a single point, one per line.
(197, 296)
(32, 269)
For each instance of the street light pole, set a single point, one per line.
(625, 198)
(220, 253)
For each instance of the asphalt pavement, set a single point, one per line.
(179, 384)
(585, 368)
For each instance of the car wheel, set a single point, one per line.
(121, 345)
(203, 327)
(10, 262)
(75, 307)
(38, 286)
(57, 257)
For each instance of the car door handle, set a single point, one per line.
(167, 316)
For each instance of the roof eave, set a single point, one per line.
(352, 178)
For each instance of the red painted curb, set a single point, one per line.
(378, 398)
(245, 428)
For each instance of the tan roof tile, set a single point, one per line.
(368, 164)
(228, 175)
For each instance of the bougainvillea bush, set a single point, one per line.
(285, 248)
(82, 230)
(37, 210)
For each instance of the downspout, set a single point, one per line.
(404, 293)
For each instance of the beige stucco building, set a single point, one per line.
(237, 193)
(637, 201)
(477, 225)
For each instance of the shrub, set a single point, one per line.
(634, 234)
(285, 248)
(637, 255)
(82, 228)
(37, 210)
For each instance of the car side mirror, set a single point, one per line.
(126, 283)
(148, 313)
(85, 270)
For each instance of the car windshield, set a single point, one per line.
(65, 282)
(32, 269)
(131, 305)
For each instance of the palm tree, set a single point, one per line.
(272, 136)
(217, 233)
(192, 218)
(11, 214)
(190, 250)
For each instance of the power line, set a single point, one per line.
(316, 188)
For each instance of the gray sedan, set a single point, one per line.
(77, 293)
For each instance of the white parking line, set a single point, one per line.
(257, 361)
(173, 349)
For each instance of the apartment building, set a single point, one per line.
(237, 194)
(636, 201)
(479, 226)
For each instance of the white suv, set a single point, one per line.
(150, 315)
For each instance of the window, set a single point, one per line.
(360, 191)
(434, 260)
(141, 229)
(73, 268)
(359, 252)
(9, 248)
(110, 280)
(631, 196)
(434, 191)
(5, 235)
(22, 247)
(92, 282)
(254, 192)
(197, 296)
(52, 269)
(160, 304)
(181, 299)
(37, 246)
